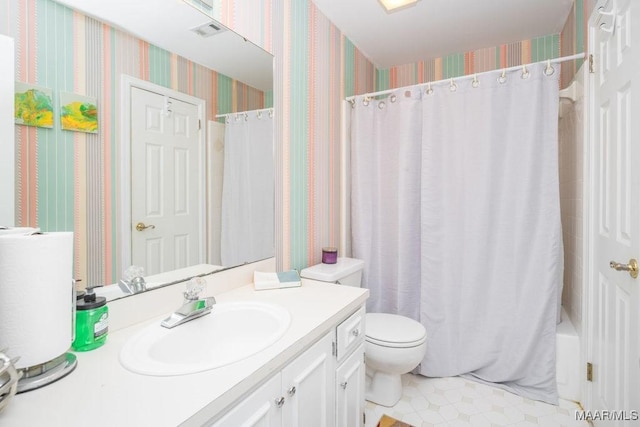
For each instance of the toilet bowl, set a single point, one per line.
(394, 344)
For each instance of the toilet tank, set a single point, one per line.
(346, 271)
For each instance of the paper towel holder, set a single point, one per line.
(46, 373)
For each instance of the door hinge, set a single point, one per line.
(334, 350)
(591, 69)
(364, 419)
(199, 124)
(589, 371)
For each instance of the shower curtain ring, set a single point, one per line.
(475, 83)
(549, 70)
(525, 72)
(365, 101)
(452, 86)
(503, 77)
(428, 91)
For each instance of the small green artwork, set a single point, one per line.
(33, 105)
(78, 113)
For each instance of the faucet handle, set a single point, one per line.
(132, 272)
(194, 287)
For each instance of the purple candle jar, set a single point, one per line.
(329, 255)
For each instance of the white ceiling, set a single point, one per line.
(435, 28)
(167, 24)
(429, 29)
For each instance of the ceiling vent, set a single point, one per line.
(209, 29)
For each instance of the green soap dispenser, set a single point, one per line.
(92, 322)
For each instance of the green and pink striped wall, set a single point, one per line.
(316, 66)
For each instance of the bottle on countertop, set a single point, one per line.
(92, 322)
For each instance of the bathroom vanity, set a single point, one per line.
(313, 374)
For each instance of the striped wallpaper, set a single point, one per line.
(67, 180)
(310, 54)
(316, 66)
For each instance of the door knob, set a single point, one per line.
(632, 267)
(140, 226)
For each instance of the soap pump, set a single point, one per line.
(92, 321)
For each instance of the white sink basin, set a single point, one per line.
(232, 332)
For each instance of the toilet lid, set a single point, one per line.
(392, 330)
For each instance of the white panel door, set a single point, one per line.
(165, 169)
(350, 383)
(259, 409)
(308, 385)
(615, 227)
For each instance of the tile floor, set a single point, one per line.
(459, 402)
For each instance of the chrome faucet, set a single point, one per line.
(190, 310)
(133, 281)
(193, 306)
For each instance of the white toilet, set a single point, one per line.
(394, 344)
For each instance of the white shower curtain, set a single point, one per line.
(247, 189)
(385, 213)
(490, 250)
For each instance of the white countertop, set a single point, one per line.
(100, 392)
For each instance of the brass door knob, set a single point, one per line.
(140, 226)
(632, 267)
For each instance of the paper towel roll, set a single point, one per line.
(36, 296)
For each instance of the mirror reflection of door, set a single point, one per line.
(165, 171)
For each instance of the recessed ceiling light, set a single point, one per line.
(394, 5)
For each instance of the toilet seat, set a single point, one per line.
(392, 330)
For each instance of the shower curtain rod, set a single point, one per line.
(469, 76)
(270, 109)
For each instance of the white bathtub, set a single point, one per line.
(567, 359)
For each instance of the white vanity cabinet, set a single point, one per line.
(308, 384)
(260, 408)
(323, 386)
(350, 372)
(350, 379)
(301, 394)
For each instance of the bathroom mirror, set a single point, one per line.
(182, 45)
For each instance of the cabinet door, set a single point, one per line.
(350, 390)
(259, 409)
(308, 385)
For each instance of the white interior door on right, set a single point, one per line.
(615, 215)
(166, 212)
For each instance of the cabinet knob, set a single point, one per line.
(280, 402)
(343, 385)
(292, 391)
(355, 332)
